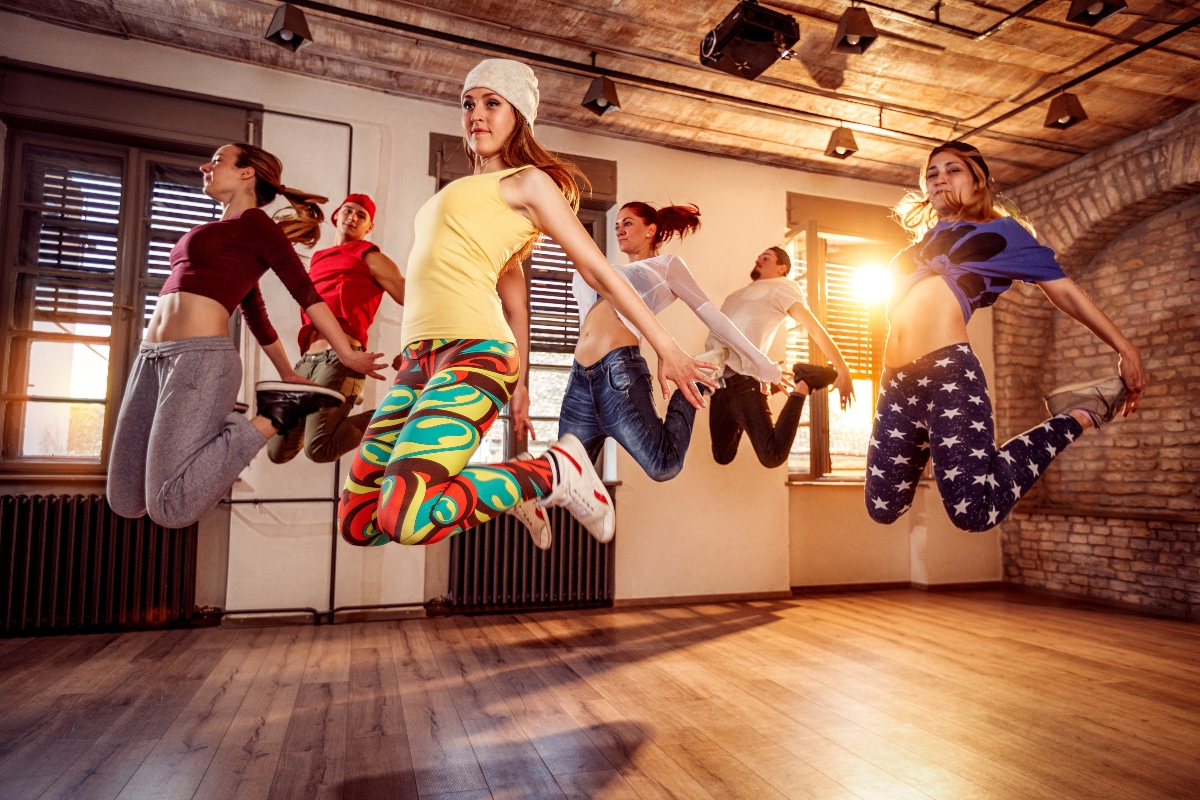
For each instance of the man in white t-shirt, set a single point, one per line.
(740, 405)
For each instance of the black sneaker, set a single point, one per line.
(287, 404)
(816, 377)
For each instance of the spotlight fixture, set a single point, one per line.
(841, 144)
(1065, 111)
(749, 40)
(1089, 12)
(855, 33)
(601, 97)
(289, 28)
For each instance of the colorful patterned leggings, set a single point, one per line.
(938, 406)
(410, 482)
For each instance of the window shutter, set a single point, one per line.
(553, 313)
(848, 320)
(176, 203)
(75, 227)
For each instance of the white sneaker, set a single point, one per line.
(534, 518)
(579, 490)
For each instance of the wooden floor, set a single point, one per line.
(886, 695)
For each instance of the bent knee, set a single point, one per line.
(662, 474)
(322, 455)
(126, 507)
(773, 461)
(973, 525)
(884, 516)
(168, 517)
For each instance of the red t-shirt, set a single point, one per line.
(345, 283)
(224, 260)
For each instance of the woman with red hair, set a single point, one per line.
(610, 392)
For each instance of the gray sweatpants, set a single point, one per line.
(179, 446)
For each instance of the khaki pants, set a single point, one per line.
(329, 433)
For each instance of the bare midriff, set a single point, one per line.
(601, 333)
(928, 318)
(321, 344)
(184, 315)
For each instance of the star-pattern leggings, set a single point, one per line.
(938, 406)
(410, 482)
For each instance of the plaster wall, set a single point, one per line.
(835, 543)
(713, 530)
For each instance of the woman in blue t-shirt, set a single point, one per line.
(934, 400)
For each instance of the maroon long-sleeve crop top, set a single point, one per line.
(224, 260)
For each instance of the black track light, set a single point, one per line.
(1089, 12)
(601, 97)
(289, 28)
(1065, 111)
(841, 144)
(855, 33)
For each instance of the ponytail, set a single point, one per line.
(669, 220)
(302, 224)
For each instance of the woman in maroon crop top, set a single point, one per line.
(178, 445)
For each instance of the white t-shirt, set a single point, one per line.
(661, 279)
(757, 310)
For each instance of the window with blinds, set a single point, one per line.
(553, 313)
(175, 203)
(853, 317)
(79, 258)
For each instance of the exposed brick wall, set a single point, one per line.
(1153, 565)
(1126, 225)
(1148, 282)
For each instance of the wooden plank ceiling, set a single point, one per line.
(918, 84)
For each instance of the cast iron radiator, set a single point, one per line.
(69, 564)
(495, 567)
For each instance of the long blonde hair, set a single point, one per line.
(523, 149)
(916, 213)
(302, 224)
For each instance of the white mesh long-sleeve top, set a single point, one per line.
(661, 279)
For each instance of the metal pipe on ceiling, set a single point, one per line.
(1149, 45)
(966, 33)
(588, 70)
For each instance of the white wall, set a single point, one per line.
(834, 542)
(713, 530)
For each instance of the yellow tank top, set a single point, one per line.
(465, 234)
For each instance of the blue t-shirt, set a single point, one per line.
(978, 260)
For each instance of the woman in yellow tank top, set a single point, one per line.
(465, 336)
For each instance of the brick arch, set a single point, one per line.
(1080, 209)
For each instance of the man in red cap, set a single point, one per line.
(351, 278)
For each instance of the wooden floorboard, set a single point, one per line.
(892, 695)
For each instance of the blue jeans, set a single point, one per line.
(614, 397)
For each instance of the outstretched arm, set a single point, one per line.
(844, 385)
(532, 193)
(684, 285)
(283, 366)
(325, 322)
(386, 274)
(1070, 299)
(514, 299)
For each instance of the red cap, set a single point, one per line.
(362, 200)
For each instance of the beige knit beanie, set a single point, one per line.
(510, 79)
